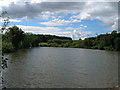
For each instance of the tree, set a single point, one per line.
(16, 35)
(117, 44)
(27, 41)
(114, 32)
(87, 43)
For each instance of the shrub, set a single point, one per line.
(7, 47)
(44, 44)
(108, 48)
(117, 44)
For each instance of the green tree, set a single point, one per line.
(117, 44)
(16, 35)
(27, 41)
(114, 32)
(87, 43)
(7, 47)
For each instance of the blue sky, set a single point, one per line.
(71, 19)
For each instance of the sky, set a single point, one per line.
(75, 19)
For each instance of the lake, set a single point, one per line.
(48, 67)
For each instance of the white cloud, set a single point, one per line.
(35, 29)
(59, 22)
(86, 33)
(82, 15)
(75, 21)
(83, 25)
(45, 30)
(115, 26)
(46, 15)
(66, 34)
(14, 20)
(55, 22)
(55, 31)
(69, 28)
(7, 2)
(80, 34)
(11, 20)
(45, 10)
(104, 11)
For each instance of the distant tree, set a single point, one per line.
(35, 41)
(27, 41)
(87, 43)
(114, 32)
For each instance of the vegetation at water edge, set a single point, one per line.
(15, 38)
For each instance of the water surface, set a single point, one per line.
(47, 67)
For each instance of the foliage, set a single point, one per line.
(16, 35)
(44, 44)
(15, 38)
(87, 43)
(6, 21)
(117, 44)
(7, 47)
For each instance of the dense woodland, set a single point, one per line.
(15, 38)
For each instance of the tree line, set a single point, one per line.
(15, 38)
(102, 42)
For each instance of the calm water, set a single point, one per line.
(44, 67)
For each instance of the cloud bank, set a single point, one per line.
(107, 12)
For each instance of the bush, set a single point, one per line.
(109, 48)
(7, 47)
(53, 45)
(66, 45)
(117, 44)
(44, 44)
(94, 47)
